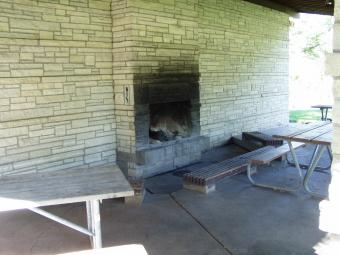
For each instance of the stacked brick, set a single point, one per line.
(150, 38)
(240, 51)
(69, 71)
(56, 93)
(243, 65)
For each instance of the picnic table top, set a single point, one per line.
(62, 187)
(314, 133)
(322, 106)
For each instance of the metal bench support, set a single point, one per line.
(270, 186)
(280, 188)
(320, 149)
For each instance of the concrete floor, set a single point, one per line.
(235, 219)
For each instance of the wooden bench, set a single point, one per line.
(266, 158)
(275, 153)
(30, 191)
(262, 138)
(203, 178)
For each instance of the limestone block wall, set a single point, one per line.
(56, 93)
(238, 50)
(70, 70)
(152, 39)
(243, 65)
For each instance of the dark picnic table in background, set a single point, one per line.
(324, 110)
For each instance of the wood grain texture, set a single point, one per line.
(61, 187)
(290, 131)
(212, 173)
(315, 133)
(314, 136)
(275, 153)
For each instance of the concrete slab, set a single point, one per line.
(160, 225)
(250, 220)
(236, 219)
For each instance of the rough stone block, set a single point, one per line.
(206, 189)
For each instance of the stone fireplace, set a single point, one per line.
(166, 123)
(169, 121)
(186, 69)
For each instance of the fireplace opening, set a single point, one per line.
(169, 121)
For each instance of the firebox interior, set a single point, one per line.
(170, 121)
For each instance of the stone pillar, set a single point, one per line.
(330, 210)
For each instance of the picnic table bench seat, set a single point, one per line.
(275, 153)
(90, 185)
(203, 179)
(266, 158)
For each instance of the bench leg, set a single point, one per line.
(268, 186)
(250, 172)
(93, 223)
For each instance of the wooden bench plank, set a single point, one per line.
(310, 136)
(214, 172)
(248, 145)
(269, 156)
(325, 139)
(316, 136)
(290, 131)
(264, 139)
(61, 187)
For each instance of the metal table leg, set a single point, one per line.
(330, 154)
(296, 162)
(61, 221)
(93, 223)
(316, 157)
(317, 168)
(89, 219)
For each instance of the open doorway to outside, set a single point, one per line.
(310, 41)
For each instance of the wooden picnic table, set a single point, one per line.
(30, 191)
(319, 134)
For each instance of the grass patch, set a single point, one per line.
(306, 115)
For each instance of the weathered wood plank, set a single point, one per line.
(217, 171)
(310, 136)
(269, 156)
(263, 138)
(60, 187)
(287, 132)
(325, 139)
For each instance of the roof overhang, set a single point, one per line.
(323, 7)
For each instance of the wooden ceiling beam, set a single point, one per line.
(323, 7)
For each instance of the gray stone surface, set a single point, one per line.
(159, 158)
(161, 225)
